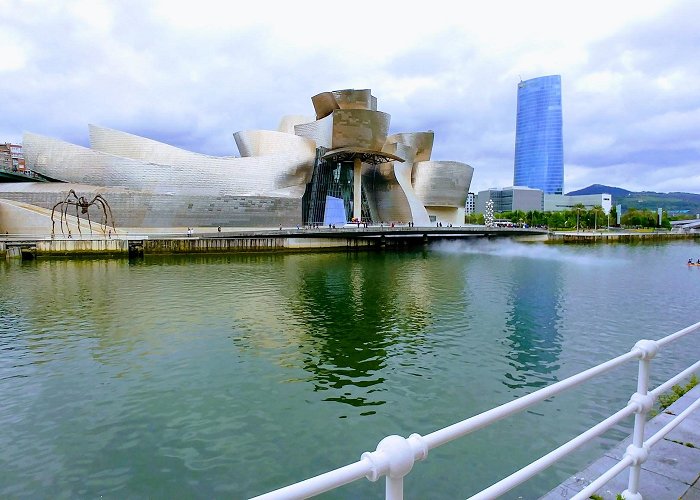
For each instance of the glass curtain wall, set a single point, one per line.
(539, 148)
(329, 196)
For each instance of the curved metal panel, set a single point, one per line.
(249, 142)
(355, 99)
(286, 149)
(385, 196)
(442, 183)
(360, 128)
(287, 122)
(320, 131)
(275, 175)
(421, 141)
(268, 142)
(324, 104)
(135, 147)
(389, 188)
(403, 172)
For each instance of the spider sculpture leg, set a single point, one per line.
(107, 211)
(64, 216)
(77, 216)
(87, 213)
(71, 199)
(53, 221)
(103, 224)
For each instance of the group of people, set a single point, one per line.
(690, 261)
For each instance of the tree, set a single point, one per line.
(474, 218)
(530, 218)
(642, 218)
(556, 220)
(517, 216)
(612, 217)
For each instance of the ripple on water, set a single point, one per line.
(180, 376)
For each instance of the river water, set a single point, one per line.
(228, 376)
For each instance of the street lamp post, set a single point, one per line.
(595, 222)
(578, 212)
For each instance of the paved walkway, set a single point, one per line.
(671, 472)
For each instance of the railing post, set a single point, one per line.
(643, 402)
(394, 458)
(394, 488)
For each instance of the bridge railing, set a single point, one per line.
(396, 455)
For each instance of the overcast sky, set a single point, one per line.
(192, 73)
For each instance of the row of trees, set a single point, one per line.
(579, 217)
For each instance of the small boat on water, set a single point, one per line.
(694, 264)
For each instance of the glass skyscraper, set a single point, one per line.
(539, 147)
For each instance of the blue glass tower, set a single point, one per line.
(539, 147)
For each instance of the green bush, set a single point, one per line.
(666, 400)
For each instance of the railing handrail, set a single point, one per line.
(628, 458)
(11, 239)
(395, 455)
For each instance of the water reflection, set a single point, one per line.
(356, 312)
(533, 325)
(337, 317)
(174, 375)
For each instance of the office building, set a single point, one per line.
(509, 199)
(539, 148)
(561, 202)
(11, 157)
(470, 207)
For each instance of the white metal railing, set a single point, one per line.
(94, 236)
(396, 455)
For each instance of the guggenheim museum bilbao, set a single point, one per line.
(339, 167)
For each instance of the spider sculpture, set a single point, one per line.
(82, 205)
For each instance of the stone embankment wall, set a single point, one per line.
(87, 247)
(155, 246)
(223, 245)
(594, 237)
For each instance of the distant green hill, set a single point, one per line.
(647, 200)
(600, 189)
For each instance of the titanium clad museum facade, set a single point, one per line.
(539, 148)
(338, 166)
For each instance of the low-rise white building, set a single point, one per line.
(560, 202)
(512, 198)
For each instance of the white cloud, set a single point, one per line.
(94, 15)
(14, 51)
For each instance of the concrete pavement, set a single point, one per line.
(671, 472)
